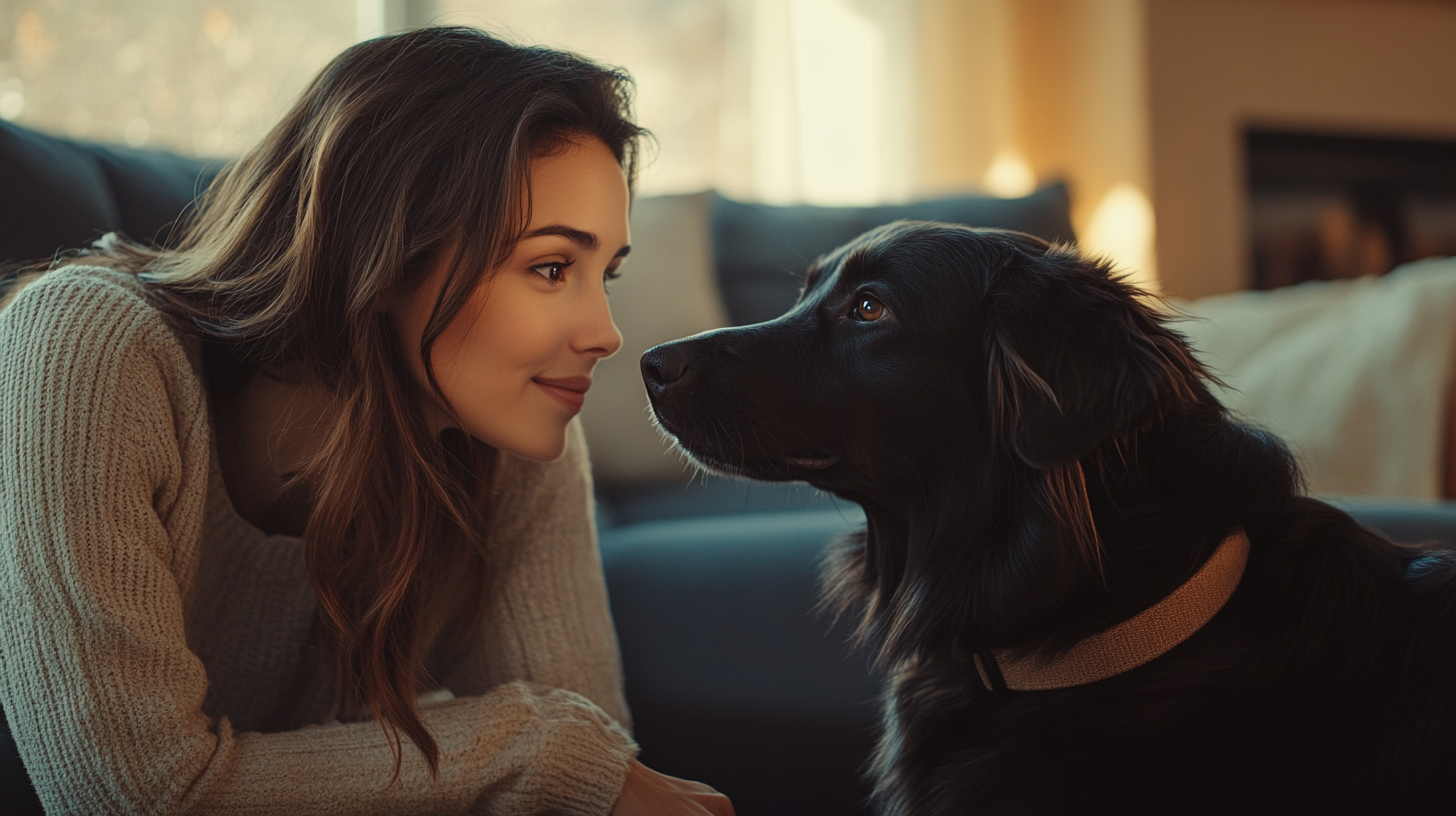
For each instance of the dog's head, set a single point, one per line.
(927, 363)
(918, 343)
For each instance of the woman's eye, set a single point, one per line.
(868, 309)
(553, 271)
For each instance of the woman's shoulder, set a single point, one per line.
(83, 321)
(80, 287)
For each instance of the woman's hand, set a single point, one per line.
(649, 793)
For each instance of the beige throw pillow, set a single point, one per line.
(1353, 375)
(667, 290)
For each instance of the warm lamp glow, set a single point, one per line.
(1009, 175)
(1121, 229)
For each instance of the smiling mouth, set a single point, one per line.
(569, 391)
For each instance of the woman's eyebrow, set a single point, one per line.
(582, 238)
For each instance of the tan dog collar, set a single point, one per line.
(1135, 641)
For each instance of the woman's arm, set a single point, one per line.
(103, 438)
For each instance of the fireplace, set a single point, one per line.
(1324, 206)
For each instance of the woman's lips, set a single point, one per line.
(569, 391)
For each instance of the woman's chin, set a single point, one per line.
(537, 450)
(538, 438)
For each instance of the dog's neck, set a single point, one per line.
(975, 567)
(1132, 643)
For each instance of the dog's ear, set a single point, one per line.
(1076, 355)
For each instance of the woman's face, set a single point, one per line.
(516, 362)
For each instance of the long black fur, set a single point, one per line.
(1040, 457)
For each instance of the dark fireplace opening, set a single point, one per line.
(1326, 206)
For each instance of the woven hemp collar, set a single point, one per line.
(1137, 640)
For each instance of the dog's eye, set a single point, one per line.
(868, 309)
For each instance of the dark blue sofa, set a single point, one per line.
(731, 677)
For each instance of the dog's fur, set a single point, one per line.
(1039, 457)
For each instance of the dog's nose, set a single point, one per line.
(664, 365)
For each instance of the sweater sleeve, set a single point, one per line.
(103, 428)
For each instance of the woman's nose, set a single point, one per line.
(599, 335)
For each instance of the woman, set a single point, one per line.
(307, 522)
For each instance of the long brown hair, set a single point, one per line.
(405, 153)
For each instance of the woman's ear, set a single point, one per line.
(1076, 355)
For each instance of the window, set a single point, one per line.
(777, 100)
(205, 78)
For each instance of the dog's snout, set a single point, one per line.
(664, 365)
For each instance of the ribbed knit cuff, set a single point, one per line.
(591, 759)
(554, 751)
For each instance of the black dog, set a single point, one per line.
(1041, 461)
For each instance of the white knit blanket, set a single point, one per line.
(1354, 375)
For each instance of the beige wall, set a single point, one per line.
(1152, 96)
(1214, 66)
(1083, 117)
(967, 92)
(1059, 83)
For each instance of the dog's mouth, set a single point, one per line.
(765, 468)
(812, 461)
(759, 467)
(762, 464)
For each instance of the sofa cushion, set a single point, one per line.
(61, 194)
(152, 188)
(761, 251)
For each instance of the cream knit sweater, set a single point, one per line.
(155, 647)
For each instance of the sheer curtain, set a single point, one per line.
(831, 98)
(772, 100)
